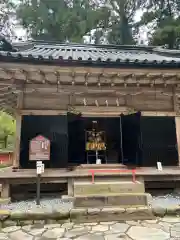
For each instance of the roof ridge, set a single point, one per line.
(107, 46)
(166, 52)
(92, 54)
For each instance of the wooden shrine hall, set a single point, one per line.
(132, 93)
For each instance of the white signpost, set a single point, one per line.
(159, 166)
(39, 150)
(39, 167)
(39, 171)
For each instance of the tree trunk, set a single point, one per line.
(5, 141)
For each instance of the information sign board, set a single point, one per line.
(39, 149)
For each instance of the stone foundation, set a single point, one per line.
(104, 187)
(78, 215)
(117, 198)
(83, 215)
(126, 199)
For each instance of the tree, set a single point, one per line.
(164, 18)
(6, 17)
(7, 127)
(121, 22)
(59, 20)
(168, 35)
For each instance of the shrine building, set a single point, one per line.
(60, 91)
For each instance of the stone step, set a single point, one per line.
(110, 214)
(122, 199)
(106, 187)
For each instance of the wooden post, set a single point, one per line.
(5, 193)
(16, 156)
(177, 121)
(70, 187)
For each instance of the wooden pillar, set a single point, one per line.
(177, 121)
(5, 193)
(70, 187)
(16, 156)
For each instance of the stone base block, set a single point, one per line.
(128, 199)
(110, 214)
(4, 201)
(66, 198)
(105, 187)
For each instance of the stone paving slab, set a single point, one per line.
(167, 228)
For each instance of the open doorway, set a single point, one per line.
(122, 138)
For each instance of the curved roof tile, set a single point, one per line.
(41, 52)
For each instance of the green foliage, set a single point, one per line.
(7, 129)
(164, 16)
(121, 21)
(6, 13)
(59, 20)
(168, 35)
(70, 20)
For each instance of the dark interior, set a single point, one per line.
(131, 139)
(78, 125)
(159, 141)
(55, 128)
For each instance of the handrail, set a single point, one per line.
(133, 171)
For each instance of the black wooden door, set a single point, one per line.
(52, 127)
(131, 139)
(76, 139)
(159, 141)
(59, 141)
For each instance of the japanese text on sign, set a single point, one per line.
(39, 149)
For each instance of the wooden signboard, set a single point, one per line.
(39, 149)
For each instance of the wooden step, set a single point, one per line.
(101, 166)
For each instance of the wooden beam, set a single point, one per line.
(95, 111)
(86, 70)
(48, 88)
(43, 112)
(158, 114)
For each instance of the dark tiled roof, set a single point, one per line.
(96, 55)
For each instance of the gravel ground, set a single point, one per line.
(57, 203)
(48, 203)
(167, 200)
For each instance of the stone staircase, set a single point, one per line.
(121, 199)
(110, 193)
